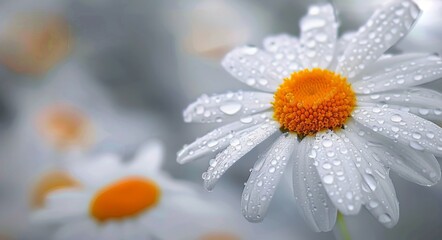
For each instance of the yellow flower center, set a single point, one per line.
(219, 236)
(49, 182)
(126, 198)
(65, 126)
(312, 100)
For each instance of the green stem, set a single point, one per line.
(343, 227)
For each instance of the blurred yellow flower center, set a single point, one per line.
(219, 236)
(49, 182)
(65, 126)
(35, 42)
(312, 100)
(126, 198)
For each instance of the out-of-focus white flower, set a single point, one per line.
(211, 28)
(34, 38)
(344, 112)
(69, 115)
(133, 200)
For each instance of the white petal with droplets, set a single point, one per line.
(318, 36)
(402, 127)
(310, 195)
(378, 191)
(410, 97)
(386, 61)
(219, 108)
(253, 67)
(338, 173)
(407, 74)
(238, 147)
(218, 139)
(265, 176)
(418, 167)
(382, 30)
(285, 50)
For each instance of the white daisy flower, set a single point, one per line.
(343, 112)
(34, 38)
(131, 200)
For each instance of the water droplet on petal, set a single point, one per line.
(328, 179)
(230, 108)
(396, 118)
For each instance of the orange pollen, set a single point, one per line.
(312, 100)
(126, 198)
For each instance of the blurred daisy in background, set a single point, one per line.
(135, 199)
(69, 115)
(34, 38)
(345, 114)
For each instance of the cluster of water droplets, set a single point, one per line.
(419, 167)
(335, 166)
(410, 73)
(380, 32)
(237, 148)
(265, 176)
(419, 101)
(378, 194)
(231, 105)
(220, 138)
(286, 51)
(254, 67)
(309, 191)
(402, 127)
(318, 36)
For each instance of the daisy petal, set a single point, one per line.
(318, 36)
(378, 191)
(418, 167)
(313, 202)
(148, 159)
(78, 230)
(434, 115)
(238, 147)
(265, 176)
(382, 30)
(253, 67)
(384, 63)
(408, 74)
(219, 139)
(67, 198)
(410, 97)
(403, 127)
(286, 52)
(227, 106)
(343, 42)
(338, 173)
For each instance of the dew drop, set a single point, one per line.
(230, 108)
(328, 179)
(416, 145)
(396, 118)
(326, 165)
(212, 143)
(418, 77)
(312, 22)
(312, 154)
(384, 218)
(370, 181)
(246, 120)
(327, 143)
